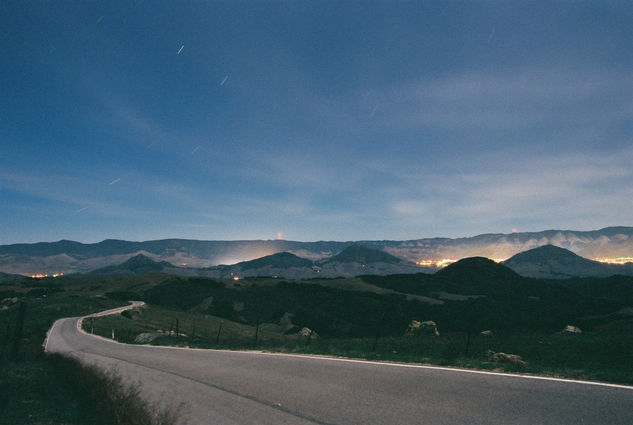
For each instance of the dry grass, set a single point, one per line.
(105, 400)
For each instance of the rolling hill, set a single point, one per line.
(352, 261)
(552, 262)
(136, 265)
(362, 255)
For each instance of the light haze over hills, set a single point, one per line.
(68, 256)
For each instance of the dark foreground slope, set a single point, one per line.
(474, 292)
(522, 316)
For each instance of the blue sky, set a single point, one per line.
(317, 120)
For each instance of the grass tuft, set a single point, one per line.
(104, 399)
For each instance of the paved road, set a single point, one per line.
(227, 387)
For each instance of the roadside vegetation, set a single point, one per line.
(590, 355)
(50, 389)
(485, 315)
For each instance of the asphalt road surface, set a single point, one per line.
(233, 387)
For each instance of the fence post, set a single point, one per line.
(256, 333)
(217, 338)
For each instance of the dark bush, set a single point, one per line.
(38, 292)
(104, 399)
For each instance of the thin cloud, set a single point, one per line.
(510, 101)
(572, 190)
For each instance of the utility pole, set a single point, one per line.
(193, 332)
(217, 338)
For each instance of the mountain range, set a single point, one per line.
(352, 261)
(218, 257)
(546, 262)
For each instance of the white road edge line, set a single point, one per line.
(338, 359)
(48, 333)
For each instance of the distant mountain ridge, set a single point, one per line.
(281, 260)
(552, 262)
(7, 277)
(352, 261)
(363, 255)
(69, 256)
(135, 265)
(548, 262)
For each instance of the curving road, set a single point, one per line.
(232, 387)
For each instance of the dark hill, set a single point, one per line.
(545, 252)
(363, 255)
(6, 277)
(550, 261)
(479, 275)
(279, 260)
(136, 265)
(477, 268)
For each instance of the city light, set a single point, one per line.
(441, 263)
(43, 275)
(617, 260)
(435, 263)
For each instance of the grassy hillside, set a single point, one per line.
(353, 318)
(169, 326)
(363, 317)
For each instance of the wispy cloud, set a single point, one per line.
(511, 100)
(78, 193)
(570, 191)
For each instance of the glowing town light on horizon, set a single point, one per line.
(436, 263)
(443, 262)
(43, 275)
(618, 260)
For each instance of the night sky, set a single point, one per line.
(313, 120)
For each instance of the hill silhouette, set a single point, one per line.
(279, 260)
(478, 269)
(363, 255)
(479, 275)
(135, 265)
(549, 261)
(6, 277)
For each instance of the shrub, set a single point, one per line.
(104, 399)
